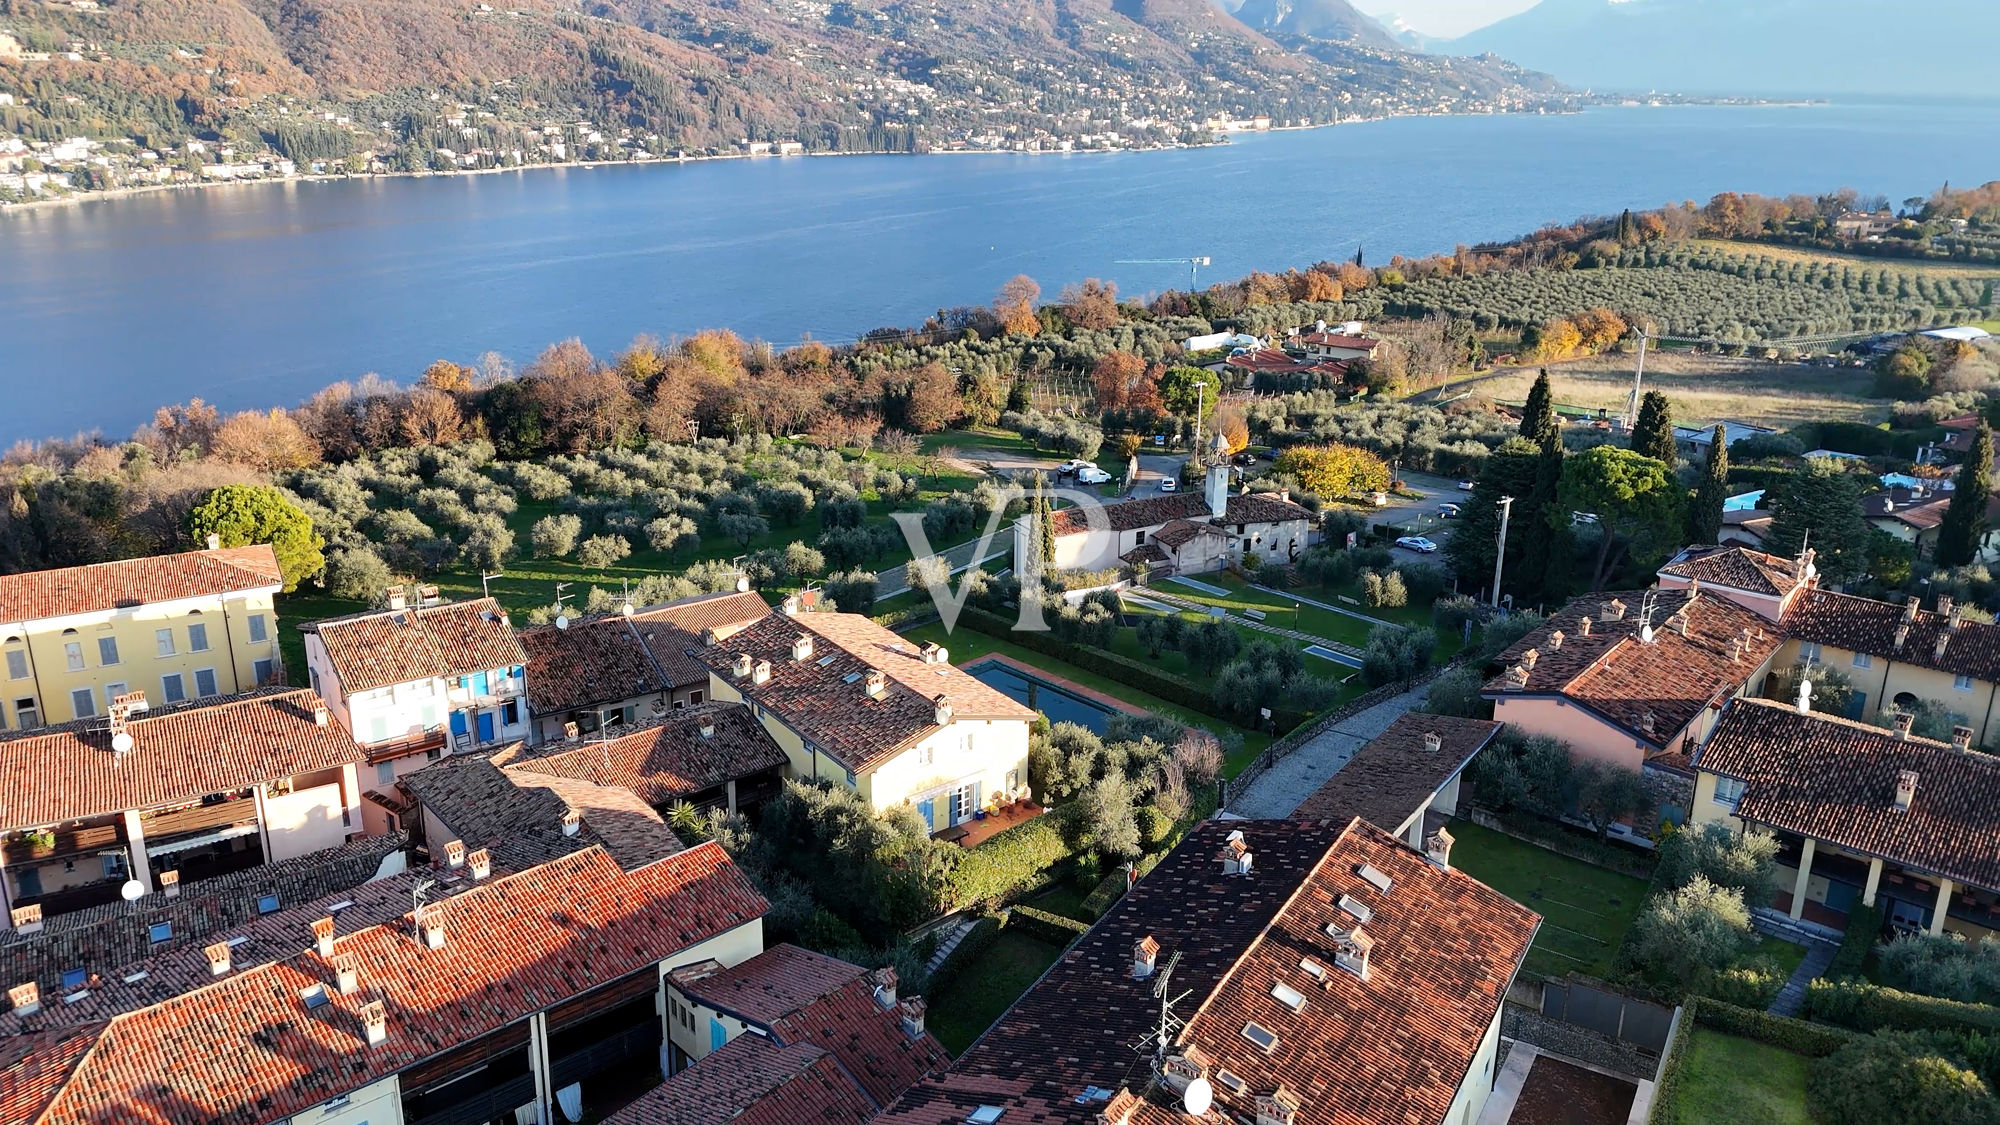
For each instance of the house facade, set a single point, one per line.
(413, 683)
(1895, 656)
(847, 699)
(168, 799)
(176, 627)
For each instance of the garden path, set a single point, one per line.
(1819, 955)
(1298, 775)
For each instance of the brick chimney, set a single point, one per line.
(760, 673)
(1530, 658)
(430, 927)
(802, 647)
(1902, 723)
(1583, 627)
(912, 1013)
(218, 958)
(1433, 742)
(1279, 1107)
(572, 822)
(1438, 847)
(791, 605)
(884, 982)
(374, 1023)
(322, 930)
(1961, 738)
(1235, 855)
(742, 666)
(1556, 640)
(321, 715)
(170, 884)
(454, 853)
(346, 976)
(1351, 949)
(25, 999)
(481, 862)
(27, 919)
(1906, 790)
(876, 683)
(1613, 610)
(1145, 957)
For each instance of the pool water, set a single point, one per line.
(1059, 705)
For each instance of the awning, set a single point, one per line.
(191, 842)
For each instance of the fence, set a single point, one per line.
(1601, 1027)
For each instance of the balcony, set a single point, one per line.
(159, 827)
(419, 743)
(76, 840)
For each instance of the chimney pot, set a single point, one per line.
(1433, 742)
(218, 958)
(1145, 957)
(454, 853)
(913, 1017)
(742, 666)
(374, 1023)
(25, 999)
(213, 541)
(430, 926)
(884, 979)
(1961, 738)
(320, 715)
(170, 883)
(761, 673)
(1584, 626)
(27, 919)
(802, 647)
(481, 862)
(1438, 847)
(346, 976)
(1906, 790)
(1902, 723)
(572, 822)
(322, 930)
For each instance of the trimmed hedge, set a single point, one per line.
(1863, 1006)
(1863, 924)
(1669, 1076)
(1042, 924)
(1174, 689)
(1008, 865)
(1109, 890)
(1797, 1036)
(1749, 987)
(976, 941)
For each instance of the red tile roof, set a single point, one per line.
(1663, 684)
(400, 646)
(131, 582)
(1386, 780)
(1393, 1047)
(1336, 340)
(70, 772)
(804, 997)
(34, 1067)
(825, 697)
(1835, 779)
(751, 1081)
(243, 1050)
(1736, 567)
(665, 760)
(615, 658)
(1971, 648)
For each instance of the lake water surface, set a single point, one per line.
(259, 295)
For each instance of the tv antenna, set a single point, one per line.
(1170, 1024)
(1638, 377)
(562, 615)
(417, 892)
(486, 590)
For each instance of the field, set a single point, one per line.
(1585, 909)
(987, 985)
(1811, 254)
(1726, 1079)
(1704, 388)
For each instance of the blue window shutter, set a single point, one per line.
(479, 684)
(924, 810)
(716, 1035)
(486, 726)
(458, 722)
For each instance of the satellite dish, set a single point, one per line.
(1199, 1096)
(122, 742)
(562, 620)
(1646, 634)
(628, 609)
(132, 891)
(742, 584)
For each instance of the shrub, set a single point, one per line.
(1943, 965)
(852, 591)
(1396, 653)
(601, 551)
(1747, 861)
(1871, 1007)
(1864, 923)
(1683, 937)
(555, 537)
(1007, 865)
(1452, 612)
(1798, 1036)
(355, 573)
(673, 535)
(1895, 1077)
(742, 527)
(975, 942)
(1456, 692)
(1049, 927)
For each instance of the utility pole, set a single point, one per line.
(1638, 377)
(1500, 556)
(1200, 396)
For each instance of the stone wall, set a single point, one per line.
(1531, 1026)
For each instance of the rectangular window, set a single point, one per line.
(1260, 1035)
(84, 702)
(17, 664)
(160, 931)
(1863, 660)
(1138, 539)
(1288, 996)
(73, 653)
(27, 714)
(1961, 683)
(510, 713)
(260, 629)
(1809, 652)
(172, 689)
(1728, 791)
(107, 650)
(694, 696)
(163, 641)
(378, 729)
(263, 670)
(113, 691)
(197, 638)
(204, 682)
(385, 773)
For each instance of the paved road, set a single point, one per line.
(896, 579)
(1286, 785)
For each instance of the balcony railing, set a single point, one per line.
(484, 1105)
(197, 818)
(85, 839)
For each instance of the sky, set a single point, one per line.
(1446, 19)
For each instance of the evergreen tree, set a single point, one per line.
(1823, 502)
(1045, 528)
(1964, 526)
(1510, 471)
(1538, 415)
(1625, 228)
(1653, 430)
(1704, 524)
(1548, 555)
(1357, 256)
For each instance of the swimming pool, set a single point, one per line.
(1059, 705)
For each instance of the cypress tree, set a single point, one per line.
(1704, 523)
(1964, 526)
(1653, 430)
(1045, 528)
(1538, 416)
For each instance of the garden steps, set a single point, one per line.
(1237, 618)
(1777, 923)
(959, 927)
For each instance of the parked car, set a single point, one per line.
(1449, 511)
(1465, 486)
(1074, 465)
(1378, 499)
(1583, 519)
(1169, 484)
(1091, 474)
(1246, 459)
(1417, 543)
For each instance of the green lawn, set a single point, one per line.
(1725, 1079)
(1787, 955)
(1585, 909)
(986, 986)
(1066, 899)
(968, 645)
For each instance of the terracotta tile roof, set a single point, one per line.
(34, 1068)
(513, 946)
(804, 997)
(1624, 679)
(400, 646)
(825, 697)
(1874, 627)
(1388, 778)
(132, 582)
(1263, 507)
(629, 828)
(99, 939)
(1337, 340)
(752, 1081)
(1150, 554)
(1835, 779)
(1178, 532)
(487, 807)
(665, 760)
(1131, 515)
(69, 772)
(614, 658)
(1736, 567)
(1393, 1047)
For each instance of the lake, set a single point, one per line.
(259, 295)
